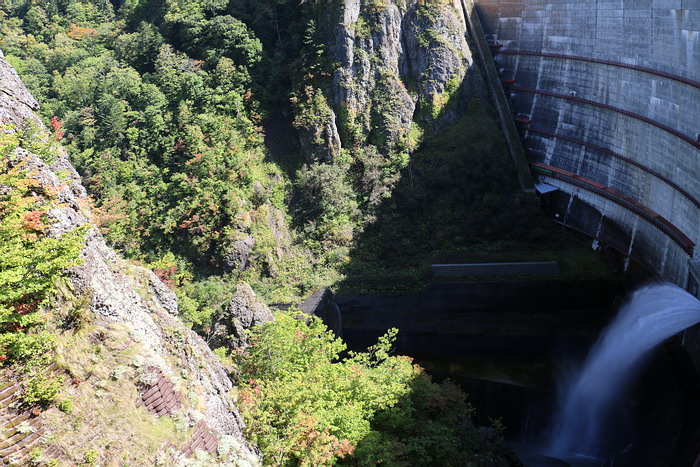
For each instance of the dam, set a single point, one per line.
(606, 98)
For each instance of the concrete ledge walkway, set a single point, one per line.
(495, 269)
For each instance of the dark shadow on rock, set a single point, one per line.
(460, 192)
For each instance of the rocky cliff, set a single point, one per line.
(145, 388)
(399, 68)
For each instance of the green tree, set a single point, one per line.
(326, 207)
(304, 406)
(139, 48)
(31, 261)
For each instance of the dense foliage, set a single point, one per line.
(162, 105)
(158, 119)
(31, 261)
(305, 405)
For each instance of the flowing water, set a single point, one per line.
(654, 314)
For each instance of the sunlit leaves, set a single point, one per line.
(302, 403)
(31, 261)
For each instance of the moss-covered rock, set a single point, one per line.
(399, 62)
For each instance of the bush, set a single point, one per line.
(31, 262)
(90, 456)
(66, 405)
(304, 405)
(41, 390)
(326, 208)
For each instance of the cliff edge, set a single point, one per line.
(143, 388)
(398, 69)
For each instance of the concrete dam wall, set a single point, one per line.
(606, 95)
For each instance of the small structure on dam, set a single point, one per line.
(608, 99)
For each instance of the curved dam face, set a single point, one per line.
(606, 95)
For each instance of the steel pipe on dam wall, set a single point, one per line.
(608, 92)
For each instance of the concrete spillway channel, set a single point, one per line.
(507, 342)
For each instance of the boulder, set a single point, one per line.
(243, 312)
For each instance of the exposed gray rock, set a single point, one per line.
(238, 254)
(17, 107)
(16, 103)
(395, 58)
(120, 291)
(280, 232)
(318, 131)
(243, 312)
(161, 294)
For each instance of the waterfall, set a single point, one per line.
(654, 314)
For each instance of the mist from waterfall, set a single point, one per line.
(654, 314)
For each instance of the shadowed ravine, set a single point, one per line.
(654, 314)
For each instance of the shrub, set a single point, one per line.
(90, 457)
(31, 262)
(224, 355)
(305, 405)
(301, 403)
(326, 208)
(41, 390)
(66, 405)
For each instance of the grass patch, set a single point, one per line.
(103, 417)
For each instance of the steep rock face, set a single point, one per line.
(16, 103)
(243, 312)
(122, 293)
(398, 62)
(316, 124)
(241, 255)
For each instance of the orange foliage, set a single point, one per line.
(31, 221)
(318, 447)
(56, 126)
(79, 32)
(24, 308)
(197, 158)
(167, 275)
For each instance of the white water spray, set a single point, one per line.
(654, 314)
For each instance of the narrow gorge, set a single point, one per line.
(346, 232)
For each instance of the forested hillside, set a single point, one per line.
(157, 106)
(163, 105)
(290, 145)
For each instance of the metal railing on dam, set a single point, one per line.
(615, 155)
(658, 221)
(627, 113)
(652, 71)
(614, 97)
